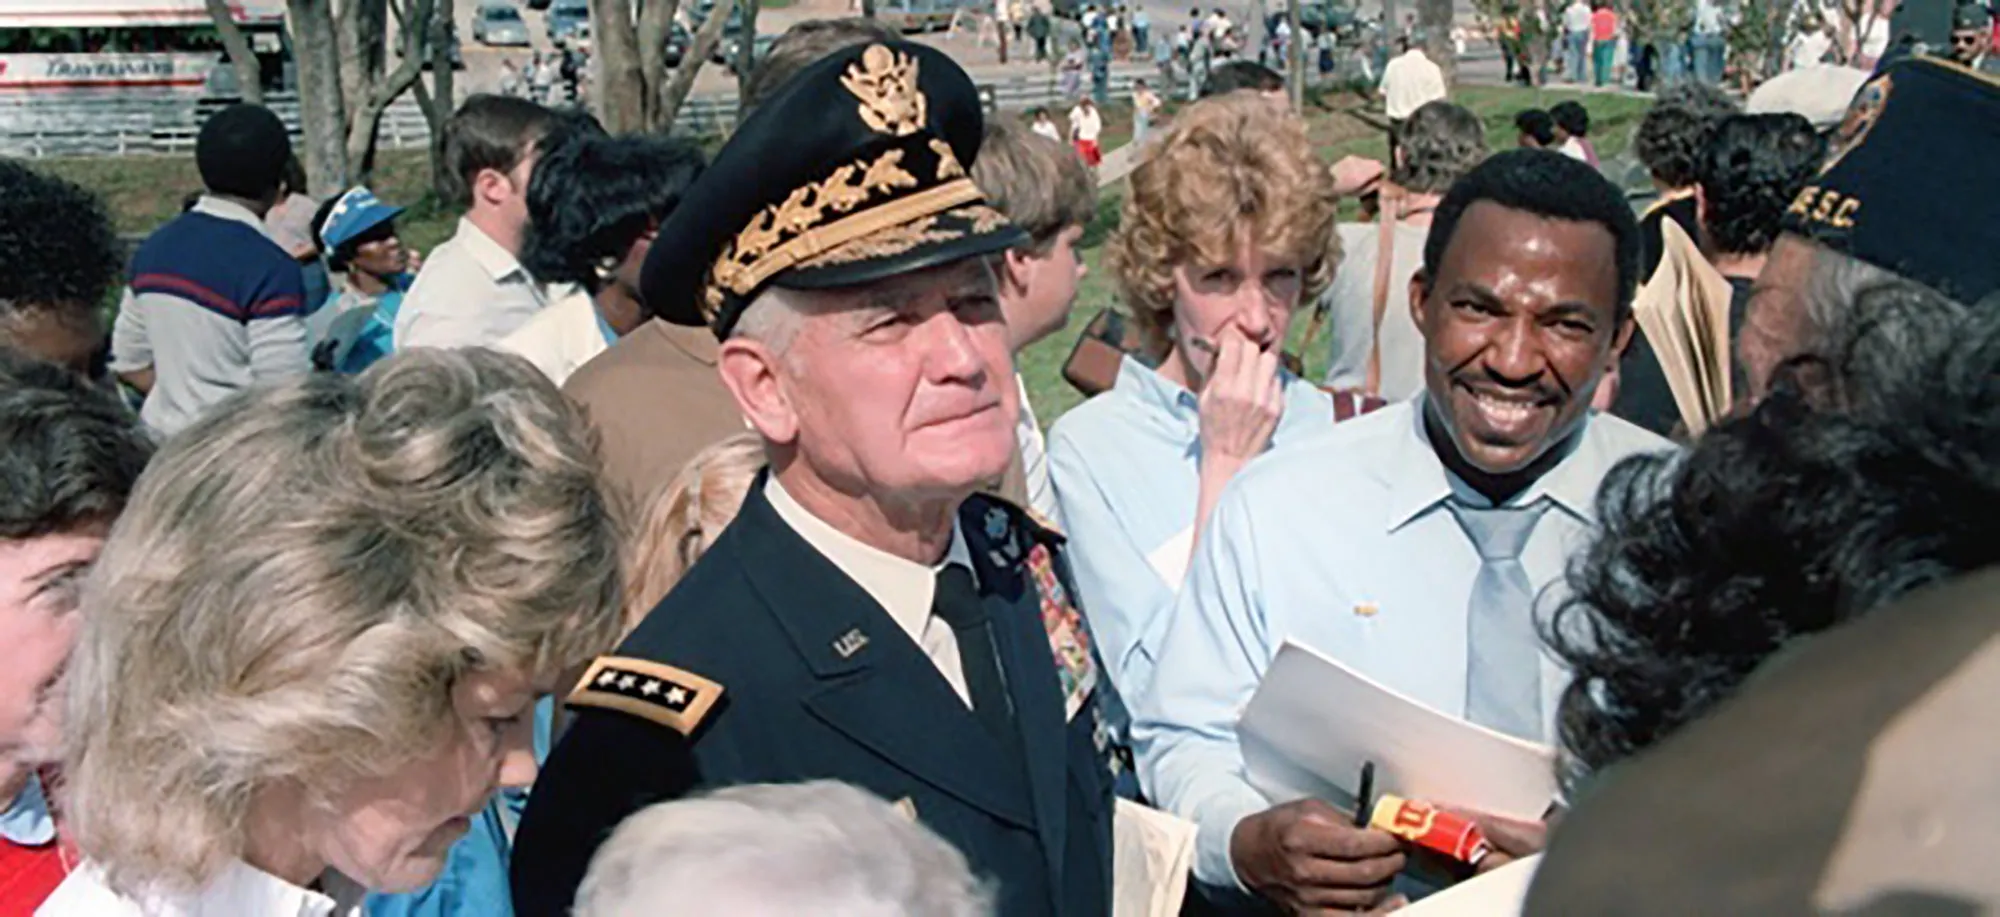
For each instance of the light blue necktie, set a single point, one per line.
(1503, 672)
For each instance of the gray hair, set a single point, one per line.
(773, 319)
(301, 577)
(1440, 142)
(822, 847)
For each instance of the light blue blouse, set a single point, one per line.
(1126, 468)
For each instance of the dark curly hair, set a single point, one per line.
(1571, 116)
(69, 451)
(1546, 184)
(1440, 142)
(1871, 470)
(1754, 165)
(1538, 124)
(591, 196)
(1676, 129)
(60, 252)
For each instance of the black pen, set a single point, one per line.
(1364, 798)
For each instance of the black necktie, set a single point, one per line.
(957, 602)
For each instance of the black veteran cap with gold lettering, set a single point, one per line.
(1912, 181)
(854, 172)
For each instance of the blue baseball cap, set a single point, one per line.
(356, 212)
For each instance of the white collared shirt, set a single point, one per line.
(904, 589)
(560, 338)
(240, 890)
(471, 292)
(1409, 82)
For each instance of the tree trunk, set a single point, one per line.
(746, 52)
(621, 84)
(1434, 18)
(444, 94)
(322, 110)
(656, 20)
(675, 93)
(868, 9)
(366, 118)
(1295, 67)
(249, 76)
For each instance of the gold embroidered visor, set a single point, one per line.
(855, 171)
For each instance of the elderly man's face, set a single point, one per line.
(1774, 320)
(1519, 325)
(904, 388)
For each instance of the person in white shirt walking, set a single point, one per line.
(1085, 125)
(1409, 82)
(1576, 38)
(473, 291)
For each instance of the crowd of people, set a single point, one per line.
(679, 537)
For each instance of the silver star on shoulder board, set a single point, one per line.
(626, 682)
(677, 695)
(650, 688)
(607, 678)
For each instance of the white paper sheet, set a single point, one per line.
(1313, 723)
(1152, 855)
(1499, 893)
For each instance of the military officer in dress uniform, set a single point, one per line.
(867, 618)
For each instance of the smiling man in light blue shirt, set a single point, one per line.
(1410, 544)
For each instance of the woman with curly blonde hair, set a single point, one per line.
(1227, 229)
(311, 644)
(684, 519)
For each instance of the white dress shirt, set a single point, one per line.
(1344, 543)
(1576, 17)
(241, 890)
(1085, 124)
(560, 338)
(471, 292)
(903, 588)
(1409, 82)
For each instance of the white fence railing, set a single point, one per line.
(167, 125)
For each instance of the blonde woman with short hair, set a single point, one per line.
(1227, 229)
(682, 521)
(312, 642)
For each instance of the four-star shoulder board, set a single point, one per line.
(671, 697)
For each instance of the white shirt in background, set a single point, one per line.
(1576, 17)
(1409, 82)
(471, 292)
(1048, 129)
(1085, 123)
(560, 338)
(1573, 148)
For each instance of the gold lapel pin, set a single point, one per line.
(1366, 609)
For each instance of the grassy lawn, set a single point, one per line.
(145, 191)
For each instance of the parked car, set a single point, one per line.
(914, 15)
(757, 51)
(538, 5)
(568, 19)
(678, 40)
(499, 24)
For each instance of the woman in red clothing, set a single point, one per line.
(1603, 39)
(69, 455)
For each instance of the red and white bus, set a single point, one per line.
(52, 45)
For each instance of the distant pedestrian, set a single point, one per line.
(216, 305)
(1576, 38)
(1145, 104)
(1408, 83)
(1603, 41)
(510, 79)
(1038, 30)
(1142, 30)
(1573, 131)
(1069, 73)
(1045, 125)
(1085, 126)
(356, 328)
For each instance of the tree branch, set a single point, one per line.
(675, 93)
(249, 76)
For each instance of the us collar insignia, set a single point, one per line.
(1001, 536)
(886, 83)
(850, 643)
